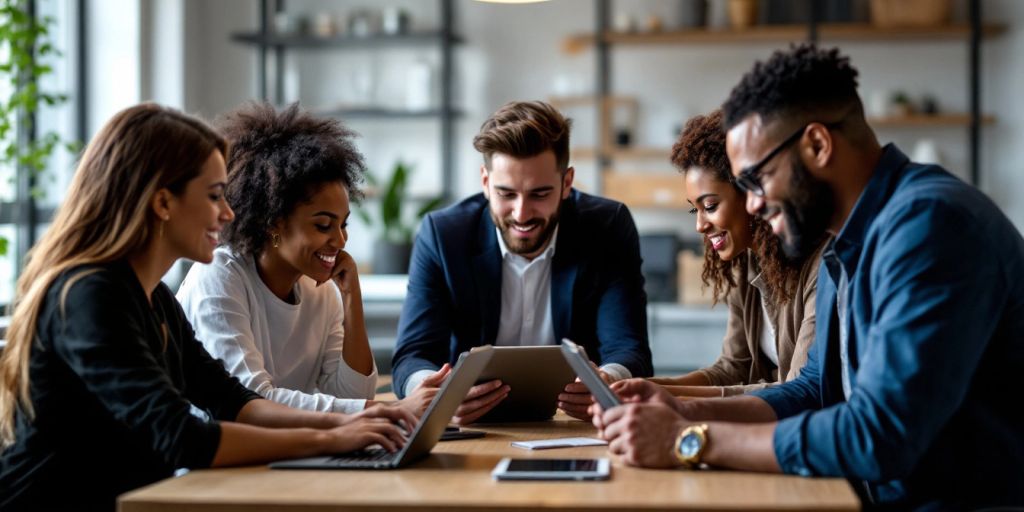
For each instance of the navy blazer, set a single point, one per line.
(454, 297)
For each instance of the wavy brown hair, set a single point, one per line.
(701, 145)
(105, 217)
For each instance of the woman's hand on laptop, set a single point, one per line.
(386, 424)
(479, 401)
(363, 431)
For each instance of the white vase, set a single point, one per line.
(718, 14)
(419, 86)
(926, 151)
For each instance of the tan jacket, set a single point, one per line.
(743, 366)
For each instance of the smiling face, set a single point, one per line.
(719, 210)
(313, 234)
(198, 214)
(796, 205)
(524, 195)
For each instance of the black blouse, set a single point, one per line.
(113, 381)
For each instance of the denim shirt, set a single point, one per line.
(936, 345)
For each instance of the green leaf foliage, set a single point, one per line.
(24, 41)
(391, 222)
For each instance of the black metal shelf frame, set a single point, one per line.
(274, 46)
(309, 41)
(383, 113)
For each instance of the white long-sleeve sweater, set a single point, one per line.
(288, 353)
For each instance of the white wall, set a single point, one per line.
(114, 60)
(1002, 157)
(219, 74)
(162, 25)
(514, 52)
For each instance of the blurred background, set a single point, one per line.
(416, 78)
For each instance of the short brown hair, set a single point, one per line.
(522, 129)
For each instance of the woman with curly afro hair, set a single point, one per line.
(281, 304)
(770, 297)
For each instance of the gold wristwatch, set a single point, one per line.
(691, 444)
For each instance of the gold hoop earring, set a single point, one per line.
(275, 239)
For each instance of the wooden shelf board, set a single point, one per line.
(573, 101)
(583, 153)
(921, 120)
(590, 99)
(913, 121)
(646, 190)
(854, 31)
(785, 33)
(634, 153)
(646, 153)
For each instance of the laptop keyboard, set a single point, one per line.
(364, 456)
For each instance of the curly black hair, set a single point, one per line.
(278, 160)
(701, 145)
(802, 81)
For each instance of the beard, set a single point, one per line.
(806, 213)
(522, 246)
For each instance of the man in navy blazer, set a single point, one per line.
(526, 262)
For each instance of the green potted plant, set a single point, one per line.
(27, 43)
(393, 246)
(902, 105)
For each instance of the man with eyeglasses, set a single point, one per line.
(908, 391)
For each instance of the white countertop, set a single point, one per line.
(383, 296)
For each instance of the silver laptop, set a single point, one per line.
(426, 434)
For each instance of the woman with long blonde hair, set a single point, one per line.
(103, 386)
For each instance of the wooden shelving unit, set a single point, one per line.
(607, 154)
(646, 190)
(784, 33)
(629, 153)
(925, 121)
(891, 122)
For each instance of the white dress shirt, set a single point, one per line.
(525, 306)
(526, 297)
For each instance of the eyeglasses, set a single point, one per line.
(749, 178)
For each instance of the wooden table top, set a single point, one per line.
(456, 476)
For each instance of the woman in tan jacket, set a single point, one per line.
(770, 297)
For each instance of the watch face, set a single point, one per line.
(690, 445)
